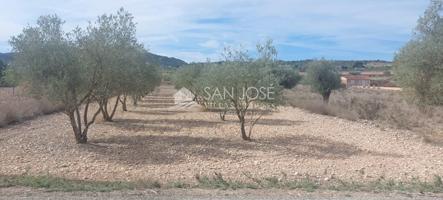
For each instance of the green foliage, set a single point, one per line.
(109, 46)
(48, 63)
(358, 65)
(243, 84)
(2, 66)
(2, 72)
(47, 59)
(10, 77)
(288, 77)
(240, 83)
(187, 76)
(418, 65)
(82, 67)
(323, 78)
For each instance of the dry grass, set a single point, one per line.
(388, 107)
(15, 106)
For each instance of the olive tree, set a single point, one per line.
(188, 77)
(49, 63)
(323, 78)
(2, 72)
(212, 76)
(288, 77)
(110, 46)
(245, 85)
(10, 78)
(418, 66)
(139, 78)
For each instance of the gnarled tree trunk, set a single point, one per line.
(134, 100)
(222, 114)
(326, 96)
(244, 136)
(104, 109)
(81, 126)
(123, 101)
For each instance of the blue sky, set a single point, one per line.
(194, 30)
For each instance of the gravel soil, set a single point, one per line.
(155, 140)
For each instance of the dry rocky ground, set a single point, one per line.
(161, 142)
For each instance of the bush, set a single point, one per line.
(16, 107)
(288, 77)
(367, 108)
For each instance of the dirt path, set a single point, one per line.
(154, 141)
(26, 193)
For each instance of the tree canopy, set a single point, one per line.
(247, 86)
(418, 66)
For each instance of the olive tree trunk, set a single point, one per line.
(244, 136)
(326, 96)
(81, 126)
(134, 100)
(123, 101)
(108, 116)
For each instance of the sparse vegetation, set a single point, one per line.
(16, 107)
(217, 181)
(388, 107)
(51, 183)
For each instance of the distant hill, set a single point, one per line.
(171, 62)
(163, 61)
(6, 57)
(167, 62)
(342, 64)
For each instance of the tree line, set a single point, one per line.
(102, 64)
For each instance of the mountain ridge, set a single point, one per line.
(163, 61)
(172, 62)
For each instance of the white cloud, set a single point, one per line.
(173, 26)
(211, 44)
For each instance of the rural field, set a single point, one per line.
(221, 100)
(160, 141)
